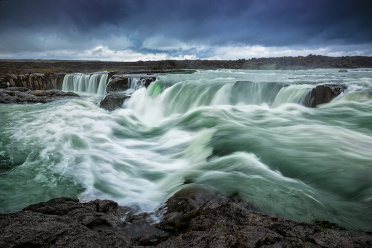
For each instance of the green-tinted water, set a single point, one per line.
(244, 133)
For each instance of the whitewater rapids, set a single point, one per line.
(242, 133)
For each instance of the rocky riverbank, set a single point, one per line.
(25, 95)
(193, 217)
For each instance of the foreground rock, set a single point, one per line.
(191, 218)
(323, 94)
(25, 95)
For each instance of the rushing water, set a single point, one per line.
(243, 133)
(86, 83)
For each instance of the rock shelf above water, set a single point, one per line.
(25, 95)
(194, 217)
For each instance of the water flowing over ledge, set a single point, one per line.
(244, 133)
(86, 83)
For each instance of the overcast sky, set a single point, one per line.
(131, 30)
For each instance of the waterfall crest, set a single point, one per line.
(86, 83)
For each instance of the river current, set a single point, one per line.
(242, 133)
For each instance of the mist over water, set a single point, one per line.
(243, 133)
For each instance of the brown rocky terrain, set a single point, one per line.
(300, 62)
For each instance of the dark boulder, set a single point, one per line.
(120, 83)
(342, 70)
(114, 100)
(323, 94)
(25, 95)
(121, 87)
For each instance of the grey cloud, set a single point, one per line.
(118, 24)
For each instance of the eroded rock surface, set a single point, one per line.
(119, 83)
(121, 87)
(194, 217)
(323, 94)
(25, 95)
(33, 81)
(114, 100)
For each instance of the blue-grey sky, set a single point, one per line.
(130, 30)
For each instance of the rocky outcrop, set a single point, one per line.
(114, 100)
(119, 83)
(25, 95)
(121, 87)
(194, 217)
(63, 222)
(35, 81)
(323, 94)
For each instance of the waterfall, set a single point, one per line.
(181, 97)
(292, 94)
(85, 83)
(136, 84)
(102, 85)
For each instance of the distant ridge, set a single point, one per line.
(70, 66)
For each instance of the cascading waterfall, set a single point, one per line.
(85, 83)
(241, 132)
(292, 94)
(184, 96)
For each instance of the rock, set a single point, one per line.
(323, 94)
(34, 81)
(119, 83)
(113, 100)
(121, 87)
(202, 218)
(193, 217)
(25, 95)
(342, 70)
(63, 222)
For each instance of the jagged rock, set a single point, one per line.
(114, 100)
(119, 83)
(201, 218)
(193, 217)
(323, 94)
(63, 222)
(25, 95)
(120, 88)
(34, 81)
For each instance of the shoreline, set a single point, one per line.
(194, 216)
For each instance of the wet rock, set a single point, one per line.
(63, 222)
(193, 217)
(202, 218)
(114, 100)
(120, 83)
(323, 94)
(121, 87)
(25, 95)
(342, 70)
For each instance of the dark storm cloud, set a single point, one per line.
(38, 25)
